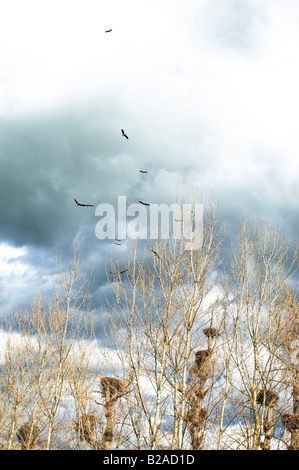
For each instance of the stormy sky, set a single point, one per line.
(207, 91)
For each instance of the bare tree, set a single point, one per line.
(260, 266)
(156, 319)
(38, 357)
(286, 335)
(65, 320)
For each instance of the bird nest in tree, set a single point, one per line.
(267, 397)
(85, 426)
(211, 332)
(108, 435)
(27, 435)
(115, 387)
(196, 416)
(291, 422)
(202, 358)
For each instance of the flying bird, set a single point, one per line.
(115, 243)
(108, 31)
(155, 253)
(82, 205)
(144, 203)
(142, 171)
(121, 272)
(124, 134)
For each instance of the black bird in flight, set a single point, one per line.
(115, 243)
(144, 203)
(121, 272)
(124, 134)
(82, 205)
(108, 31)
(142, 171)
(155, 253)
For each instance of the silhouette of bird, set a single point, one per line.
(115, 243)
(108, 31)
(142, 171)
(155, 253)
(121, 272)
(144, 203)
(124, 134)
(82, 205)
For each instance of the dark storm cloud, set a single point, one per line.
(46, 162)
(49, 159)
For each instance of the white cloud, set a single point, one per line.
(20, 280)
(10, 260)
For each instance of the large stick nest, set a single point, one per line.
(267, 397)
(202, 357)
(113, 386)
(195, 417)
(27, 435)
(211, 332)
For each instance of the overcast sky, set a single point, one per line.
(207, 91)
